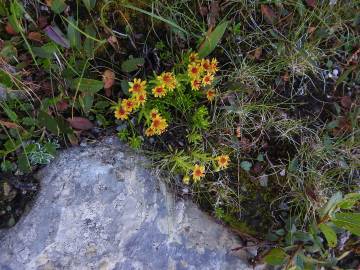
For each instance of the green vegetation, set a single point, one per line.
(270, 144)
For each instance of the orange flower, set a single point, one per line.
(121, 113)
(195, 84)
(159, 91)
(149, 132)
(168, 80)
(193, 57)
(128, 104)
(137, 86)
(194, 70)
(210, 94)
(207, 79)
(198, 172)
(223, 161)
(154, 113)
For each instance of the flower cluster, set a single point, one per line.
(201, 72)
(137, 99)
(166, 82)
(158, 124)
(198, 171)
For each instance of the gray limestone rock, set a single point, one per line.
(100, 209)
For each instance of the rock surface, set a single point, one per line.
(100, 209)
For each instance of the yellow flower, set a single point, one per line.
(198, 172)
(128, 105)
(158, 125)
(206, 65)
(195, 84)
(213, 66)
(194, 70)
(207, 79)
(137, 86)
(186, 179)
(140, 97)
(223, 161)
(154, 113)
(168, 80)
(120, 113)
(193, 57)
(210, 94)
(159, 91)
(149, 132)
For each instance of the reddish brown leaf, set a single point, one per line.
(10, 30)
(203, 11)
(42, 21)
(346, 102)
(62, 105)
(9, 124)
(311, 3)
(268, 13)
(257, 168)
(108, 78)
(80, 123)
(35, 36)
(344, 127)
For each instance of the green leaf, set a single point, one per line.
(48, 121)
(331, 204)
(5, 79)
(89, 44)
(87, 102)
(348, 221)
(89, 86)
(23, 163)
(58, 6)
(329, 233)
(132, 64)
(349, 201)
(89, 4)
(45, 51)
(211, 41)
(11, 114)
(73, 34)
(276, 256)
(246, 165)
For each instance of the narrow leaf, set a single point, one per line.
(87, 85)
(348, 221)
(329, 233)
(55, 34)
(212, 39)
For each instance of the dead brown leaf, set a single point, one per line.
(258, 53)
(35, 36)
(268, 13)
(9, 124)
(80, 123)
(214, 13)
